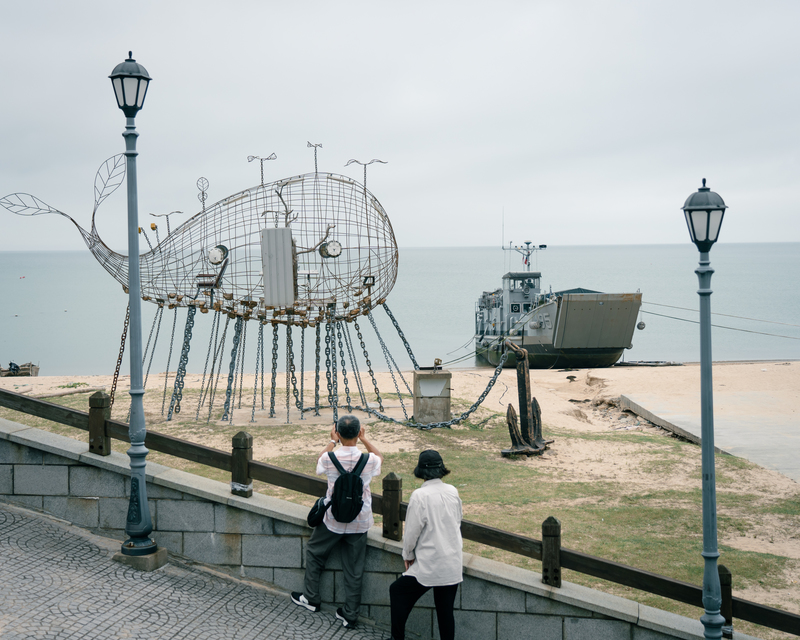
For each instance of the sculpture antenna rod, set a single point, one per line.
(271, 156)
(366, 208)
(315, 146)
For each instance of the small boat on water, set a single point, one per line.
(20, 370)
(574, 328)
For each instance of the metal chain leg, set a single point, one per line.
(242, 352)
(302, 371)
(177, 393)
(388, 364)
(227, 412)
(169, 359)
(274, 370)
(211, 344)
(261, 347)
(328, 365)
(220, 350)
(288, 361)
(402, 335)
(259, 354)
(344, 367)
(353, 363)
(121, 352)
(369, 368)
(316, 375)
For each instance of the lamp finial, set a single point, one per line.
(704, 182)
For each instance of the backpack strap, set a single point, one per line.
(362, 462)
(336, 463)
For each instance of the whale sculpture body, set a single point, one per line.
(319, 208)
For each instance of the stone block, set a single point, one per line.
(94, 482)
(513, 626)
(660, 622)
(156, 491)
(117, 535)
(593, 629)
(29, 502)
(6, 478)
(170, 540)
(282, 528)
(383, 561)
(185, 515)
(113, 513)
(13, 453)
(421, 620)
(648, 634)
(271, 551)
(213, 548)
(472, 625)
(38, 480)
(233, 520)
(80, 511)
(143, 563)
(479, 595)
(374, 588)
(547, 607)
(53, 458)
(292, 580)
(267, 574)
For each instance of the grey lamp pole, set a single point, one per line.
(130, 82)
(704, 211)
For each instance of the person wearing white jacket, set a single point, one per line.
(431, 549)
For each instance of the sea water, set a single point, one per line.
(64, 312)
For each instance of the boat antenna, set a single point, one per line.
(526, 252)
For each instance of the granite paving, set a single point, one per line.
(58, 581)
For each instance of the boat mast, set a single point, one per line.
(525, 251)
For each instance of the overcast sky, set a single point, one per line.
(574, 122)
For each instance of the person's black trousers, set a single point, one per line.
(404, 593)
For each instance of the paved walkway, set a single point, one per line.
(57, 581)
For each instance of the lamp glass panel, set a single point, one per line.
(714, 223)
(142, 92)
(700, 224)
(130, 86)
(117, 82)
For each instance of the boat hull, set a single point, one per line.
(544, 357)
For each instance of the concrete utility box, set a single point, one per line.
(431, 395)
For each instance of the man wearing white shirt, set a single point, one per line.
(351, 535)
(431, 549)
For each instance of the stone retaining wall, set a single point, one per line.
(264, 538)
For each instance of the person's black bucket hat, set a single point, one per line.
(429, 459)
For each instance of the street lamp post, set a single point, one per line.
(704, 211)
(130, 81)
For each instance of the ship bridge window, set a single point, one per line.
(526, 307)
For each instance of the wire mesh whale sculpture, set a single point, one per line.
(345, 252)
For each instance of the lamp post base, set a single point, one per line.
(139, 547)
(149, 562)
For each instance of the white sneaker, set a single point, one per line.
(300, 600)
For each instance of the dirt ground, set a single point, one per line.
(581, 402)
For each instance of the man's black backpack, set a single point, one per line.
(348, 490)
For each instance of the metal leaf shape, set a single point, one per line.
(110, 176)
(24, 204)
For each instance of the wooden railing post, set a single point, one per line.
(99, 412)
(551, 552)
(726, 583)
(242, 455)
(392, 497)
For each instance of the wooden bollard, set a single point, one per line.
(726, 586)
(99, 412)
(392, 497)
(241, 482)
(551, 552)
